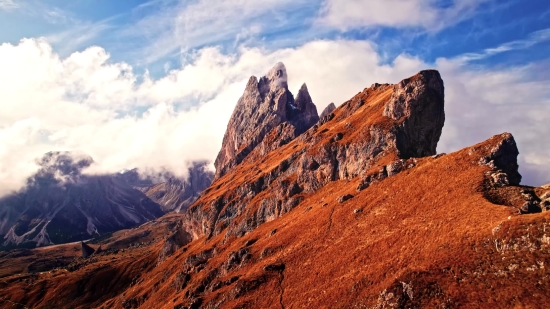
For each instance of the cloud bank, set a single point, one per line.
(87, 103)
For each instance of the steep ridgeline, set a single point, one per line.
(360, 190)
(60, 205)
(265, 104)
(173, 194)
(369, 136)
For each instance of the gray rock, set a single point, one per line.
(344, 198)
(328, 110)
(86, 250)
(419, 102)
(265, 104)
(315, 162)
(503, 156)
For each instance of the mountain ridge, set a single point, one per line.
(343, 215)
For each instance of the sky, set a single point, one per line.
(152, 84)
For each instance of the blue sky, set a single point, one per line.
(74, 72)
(126, 29)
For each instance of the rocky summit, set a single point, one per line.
(265, 104)
(355, 210)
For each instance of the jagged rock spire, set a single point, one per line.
(329, 109)
(265, 104)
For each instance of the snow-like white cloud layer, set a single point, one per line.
(86, 103)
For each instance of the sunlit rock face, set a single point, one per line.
(265, 104)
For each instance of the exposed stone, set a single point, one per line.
(315, 161)
(418, 103)
(530, 207)
(344, 198)
(328, 110)
(275, 267)
(177, 194)
(503, 156)
(86, 250)
(265, 104)
(356, 211)
(500, 179)
(237, 259)
(179, 238)
(394, 167)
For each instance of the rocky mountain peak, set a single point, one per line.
(374, 135)
(265, 104)
(329, 109)
(275, 80)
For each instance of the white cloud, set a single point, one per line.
(185, 25)
(482, 102)
(351, 14)
(85, 102)
(8, 5)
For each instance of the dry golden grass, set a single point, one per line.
(428, 235)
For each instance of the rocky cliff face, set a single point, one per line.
(416, 103)
(265, 104)
(370, 136)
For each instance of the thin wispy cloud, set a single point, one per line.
(183, 26)
(533, 39)
(8, 5)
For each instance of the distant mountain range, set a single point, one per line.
(60, 204)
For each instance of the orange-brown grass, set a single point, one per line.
(430, 225)
(431, 228)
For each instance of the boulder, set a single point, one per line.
(86, 250)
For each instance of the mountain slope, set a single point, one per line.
(62, 205)
(344, 216)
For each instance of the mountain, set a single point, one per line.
(266, 104)
(61, 205)
(328, 110)
(170, 192)
(358, 211)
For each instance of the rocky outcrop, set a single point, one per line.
(416, 102)
(390, 123)
(329, 109)
(176, 240)
(86, 250)
(502, 158)
(265, 104)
